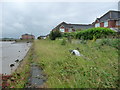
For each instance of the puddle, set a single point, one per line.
(37, 77)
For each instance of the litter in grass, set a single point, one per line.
(75, 52)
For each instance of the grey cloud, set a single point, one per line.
(41, 18)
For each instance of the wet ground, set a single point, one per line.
(37, 78)
(11, 52)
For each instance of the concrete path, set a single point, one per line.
(37, 77)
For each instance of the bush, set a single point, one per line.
(69, 34)
(55, 34)
(94, 33)
(39, 38)
(63, 41)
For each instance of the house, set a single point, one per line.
(65, 27)
(42, 37)
(109, 20)
(27, 36)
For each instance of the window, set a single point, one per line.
(97, 25)
(118, 23)
(106, 24)
(70, 29)
(62, 29)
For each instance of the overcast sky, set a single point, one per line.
(40, 18)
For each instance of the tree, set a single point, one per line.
(55, 34)
(39, 38)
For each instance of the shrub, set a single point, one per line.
(39, 38)
(55, 34)
(94, 33)
(69, 34)
(63, 41)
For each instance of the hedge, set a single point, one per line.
(90, 34)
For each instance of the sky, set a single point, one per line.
(39, 18)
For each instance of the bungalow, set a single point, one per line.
(42, 37)
(109, 20)
(27, 36)
(65, 27)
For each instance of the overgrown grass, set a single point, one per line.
(97, 69)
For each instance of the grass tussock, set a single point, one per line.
(98, 68)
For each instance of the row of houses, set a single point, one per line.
(109, 20)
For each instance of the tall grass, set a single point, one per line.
(97, 69)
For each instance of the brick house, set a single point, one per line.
(109, 20)
(27, 36)
(65, 27)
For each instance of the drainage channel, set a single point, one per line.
(37, 78)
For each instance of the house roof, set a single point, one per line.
(74, 26)
(77, 26)
(28, 34)
(42, 36)
(110, 15)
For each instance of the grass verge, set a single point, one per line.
(97, 69)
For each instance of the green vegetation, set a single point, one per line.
(63, 41)
(55, 34)
(98, 68)
(7, 39)
(39, 37)
(94, 33)
(88, 34)
(29, 40)
(110, 42)
(69, 34)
